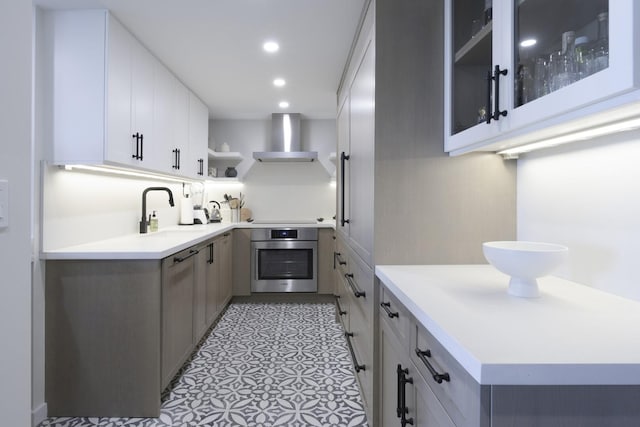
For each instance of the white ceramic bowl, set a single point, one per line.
(524, 262)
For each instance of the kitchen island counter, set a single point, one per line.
(570, 335)
(160, 244)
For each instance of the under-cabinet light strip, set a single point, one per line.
(125, 172)
(607, 129)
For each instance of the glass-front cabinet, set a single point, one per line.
(517, 67)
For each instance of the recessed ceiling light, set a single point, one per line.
(271, 46)
(279, 82)
(528, 42)
(283, 104)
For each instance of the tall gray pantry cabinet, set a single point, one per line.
(400, 198)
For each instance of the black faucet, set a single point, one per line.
(144, 223)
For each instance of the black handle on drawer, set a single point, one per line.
(387, 308)
(437, 377)
(358, 367)
(343, 158)
(358, 293)
(336, 256)
(402, 410)
(341, 312)
(177, 259)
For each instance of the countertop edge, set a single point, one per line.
(80, 252)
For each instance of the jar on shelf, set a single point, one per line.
(231, 172)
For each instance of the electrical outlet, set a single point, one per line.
(4, 203)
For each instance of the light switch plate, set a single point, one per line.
(4, 203)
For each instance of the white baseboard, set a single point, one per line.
(38, 415)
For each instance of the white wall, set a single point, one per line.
(587, 197)
(279, 190)
(15, 241)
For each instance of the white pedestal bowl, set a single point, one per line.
(524, 262)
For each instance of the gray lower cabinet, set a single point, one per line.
(355, 303)
(177, 311)
(419, 378)
(117, 331)
(225, 251)
(102, 338)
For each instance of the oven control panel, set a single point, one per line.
(284, 234)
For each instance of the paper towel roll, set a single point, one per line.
(186, 211)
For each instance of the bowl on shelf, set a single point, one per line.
(524, 262)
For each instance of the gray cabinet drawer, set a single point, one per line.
(459, 393)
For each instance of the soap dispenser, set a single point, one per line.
(153, 222)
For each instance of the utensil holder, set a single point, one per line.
(235, 215)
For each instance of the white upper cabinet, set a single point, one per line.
(113, 102)
(197, 163)
(552, 67)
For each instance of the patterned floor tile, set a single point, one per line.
(262, 365)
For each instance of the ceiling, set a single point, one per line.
(215, 48)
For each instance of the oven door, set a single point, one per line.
(284, 266)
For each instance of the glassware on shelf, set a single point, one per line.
(540, 77)
(601, 46)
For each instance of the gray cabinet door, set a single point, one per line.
(361, 158)
(212, 281)
(200, 323)
(226, 274)
(177, 312)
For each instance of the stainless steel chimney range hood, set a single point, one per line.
(285, 141)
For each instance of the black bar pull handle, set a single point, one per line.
(337, 256)
(343, 158)
(181, 259)
(137, 153)
(402, 410)
(496, 99)
(437, 377)
(341, 312)
(399, 407)
(358, 293)
(358, 367)
(387, 308)
(495, 78)
(141, 146)
(178, 159)
(210, 260)
(200, 166)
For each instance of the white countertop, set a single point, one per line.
(571, 334)
(160, 244)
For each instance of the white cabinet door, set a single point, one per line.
(562, 74)
(197, 163)
(180, 137)
(163, 117)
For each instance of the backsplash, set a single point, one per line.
(587, 197)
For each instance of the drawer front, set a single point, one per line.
(460, 394)
(395, 315)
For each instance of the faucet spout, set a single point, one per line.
(144, 223)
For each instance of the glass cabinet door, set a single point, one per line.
(556, 44)
(471, 55)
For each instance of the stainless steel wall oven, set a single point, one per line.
(284, 260)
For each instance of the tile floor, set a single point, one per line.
(263, 364)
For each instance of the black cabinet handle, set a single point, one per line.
(336, 256)
(488, 113)
(341, 312)
(210, 260)
(141, 146)
(358, 293)
(178, 159)
(358, 367)
(387, 308)
(437, 377)
(138, 154)
(402, 409)
(200, 167)
(177, 259)
(343, 158)
(497, 72)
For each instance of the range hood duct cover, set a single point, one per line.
(285, 141)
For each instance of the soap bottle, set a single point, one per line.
(153, 222)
